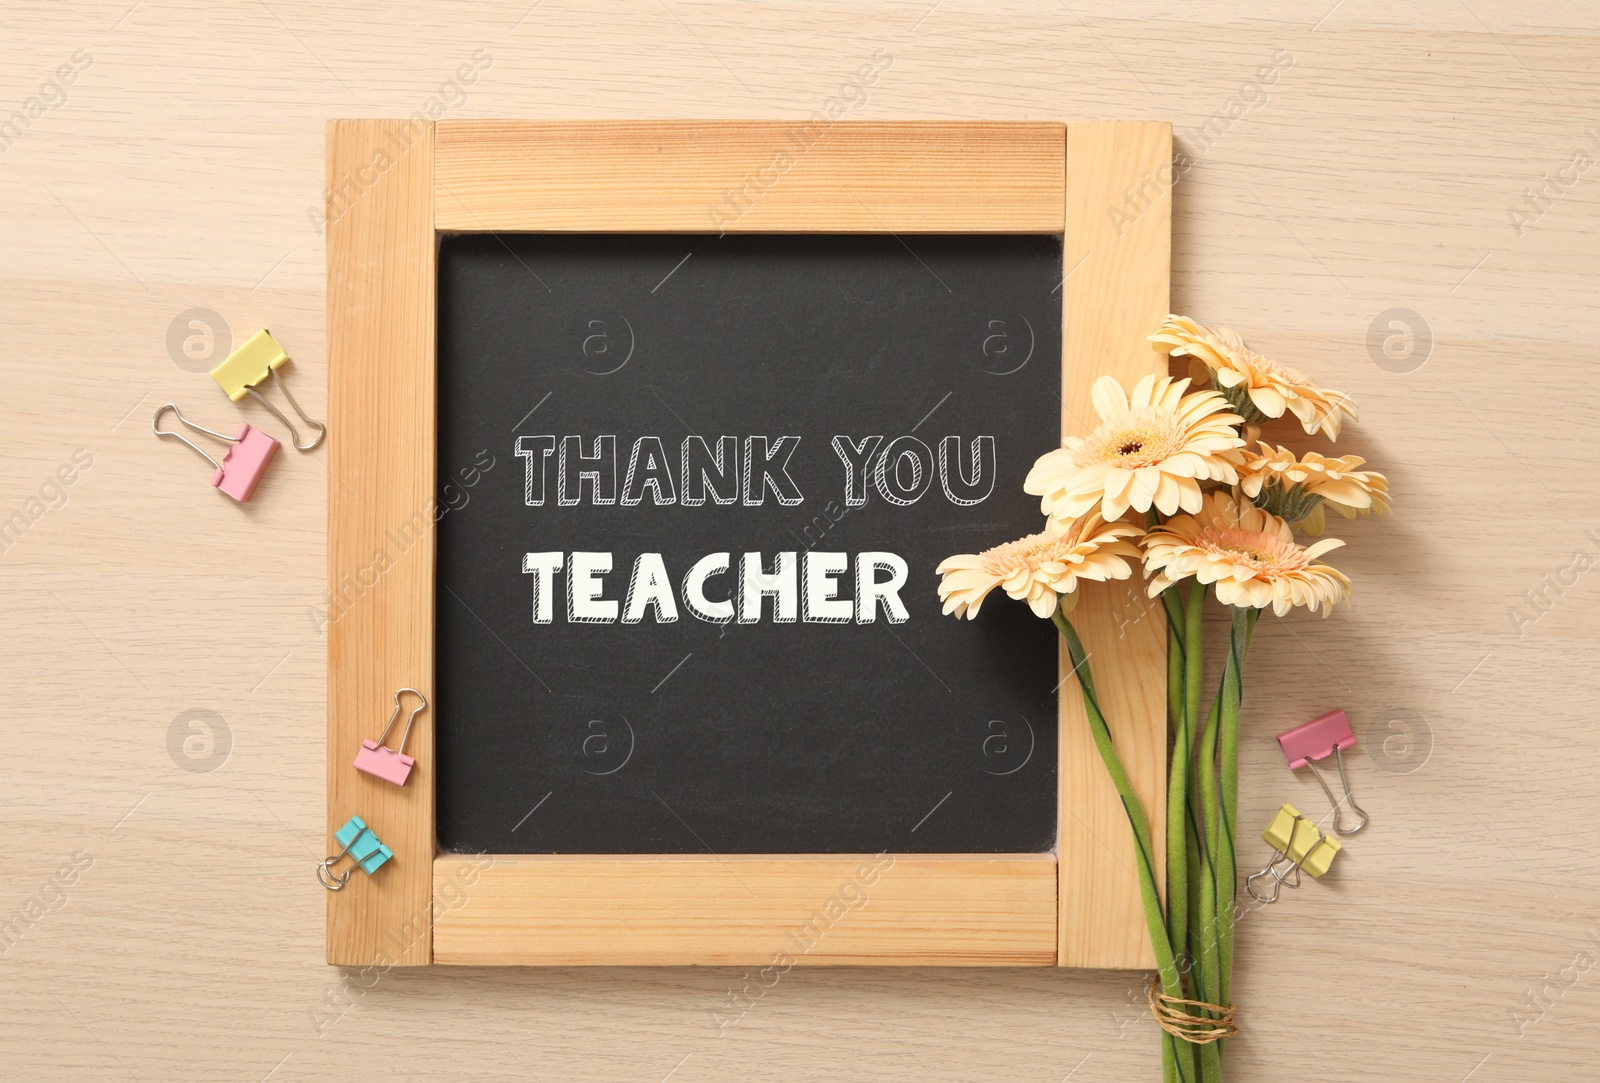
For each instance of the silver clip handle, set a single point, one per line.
(294, 434)
(155, 427)
(331, 880)
(404, 736)
(1337, 803)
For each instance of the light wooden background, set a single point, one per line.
(1456, 938)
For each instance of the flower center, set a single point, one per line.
(1024, 553)
(1264, 553)
(1142, 437)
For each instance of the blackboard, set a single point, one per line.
(922, 734)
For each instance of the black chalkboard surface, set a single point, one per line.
(645, 403)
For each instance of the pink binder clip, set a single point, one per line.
(1318, 739)
(389, 764)
(241, 468)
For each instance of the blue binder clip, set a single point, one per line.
(361, 845)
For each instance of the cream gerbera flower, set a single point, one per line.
(1153, 447)
(1249, 553)
(1039, 568)
(1298, 488)
(1256, 386)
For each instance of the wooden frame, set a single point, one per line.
(393, 185)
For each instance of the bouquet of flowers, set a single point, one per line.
(1170, 480)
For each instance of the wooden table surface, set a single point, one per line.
(171, 182)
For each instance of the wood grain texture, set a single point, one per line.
(823, 176)
(1118, 265)
(381, 388)
(745, 910)
(186, 171)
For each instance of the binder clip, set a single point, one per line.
(391, 764)
(1318, 739)
(1295, 840)
(241, 467)
(254, 361)
(364, 849)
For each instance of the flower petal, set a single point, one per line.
(1108, 398)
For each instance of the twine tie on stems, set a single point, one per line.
(1172, 1015)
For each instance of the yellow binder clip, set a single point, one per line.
(1320, 857)
(253, 362)
(1296, 844)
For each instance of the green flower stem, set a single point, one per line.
(1177, 793)
(1166, 965)
(1172, 600)
(1178, 638)
(1209, 966)
(1177, 819)
(1177, 1062)
(1175, 701)
(1193, 676)
(1232, 696)
(1209, 796)
(1193, 654)
(1196, 855)
(1196, 889)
